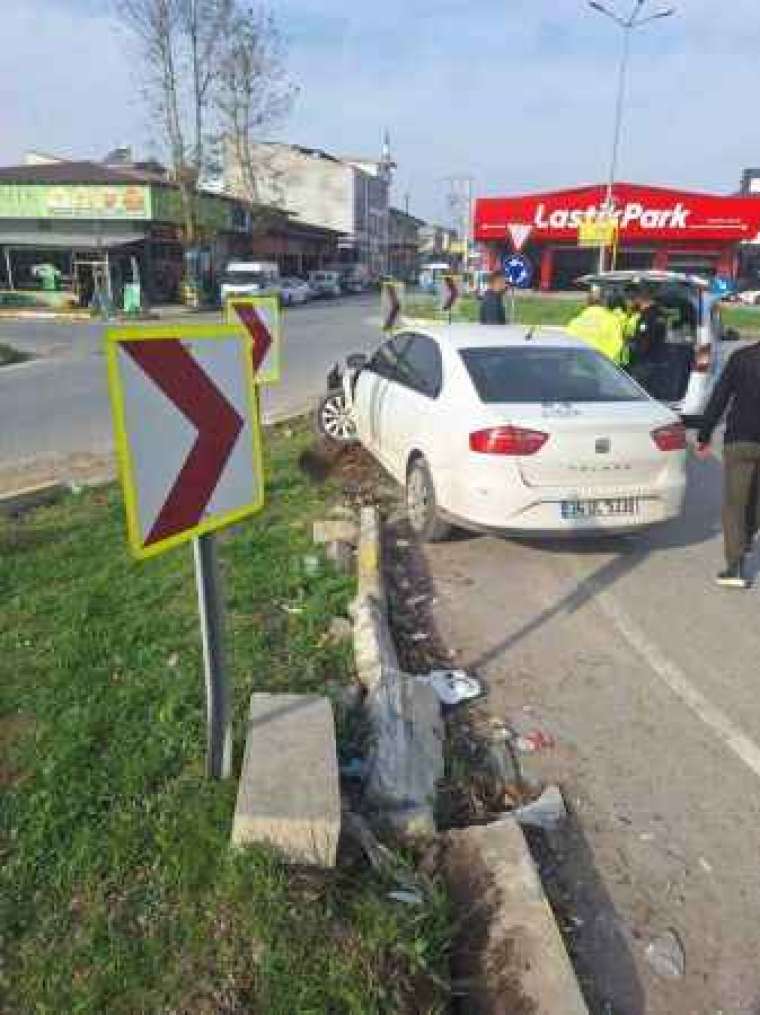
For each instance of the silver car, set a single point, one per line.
(685, 377)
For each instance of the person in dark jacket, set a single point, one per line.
(738, 391)
(492, 301)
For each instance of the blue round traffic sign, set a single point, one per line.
(518, 270)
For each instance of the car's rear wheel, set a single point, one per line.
(421, 504)
(335, 421)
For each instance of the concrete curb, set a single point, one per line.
(30, 497)
(510, 949)
(406, 760)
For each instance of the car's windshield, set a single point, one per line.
(246, 278)
(542, 374)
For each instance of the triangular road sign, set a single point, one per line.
(519, 233)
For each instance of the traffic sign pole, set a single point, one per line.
(210, 610)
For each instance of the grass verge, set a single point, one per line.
(535, 309)
(9, 355)
(118, 891)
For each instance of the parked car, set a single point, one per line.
(325, 283)
(503, 429)
(295, 291)
(684, 377)
(749, 296)
(250, 278)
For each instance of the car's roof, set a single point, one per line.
(650, 275)
(466, 335)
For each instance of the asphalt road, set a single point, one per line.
(57, 404)
(646, 674)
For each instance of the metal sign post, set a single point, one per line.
(210, 611)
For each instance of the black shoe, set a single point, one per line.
(733, 577)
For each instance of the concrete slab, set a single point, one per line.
(509, 947)
(289, 795)
(31, 497)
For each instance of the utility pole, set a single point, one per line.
(460, 202)
(636, 19)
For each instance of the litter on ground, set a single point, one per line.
(452, 686)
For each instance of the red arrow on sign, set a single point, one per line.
(174, 371)
(260, 334)
(393, 309)
(453, 292)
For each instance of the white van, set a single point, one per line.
(249, 278)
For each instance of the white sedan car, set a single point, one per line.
(519, 431)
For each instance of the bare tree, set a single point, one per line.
(252, 94)
(181, 44)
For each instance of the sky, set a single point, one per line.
(518, 94)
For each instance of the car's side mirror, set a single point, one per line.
(731, 335)
(356, 361)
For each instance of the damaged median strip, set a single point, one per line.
(508, 951)
(119, 889)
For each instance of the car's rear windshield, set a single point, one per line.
(541, 374)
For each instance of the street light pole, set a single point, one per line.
(635, 20)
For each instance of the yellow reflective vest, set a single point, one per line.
(602, 329)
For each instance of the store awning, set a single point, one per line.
(57, 240)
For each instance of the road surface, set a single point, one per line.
(648, 677)
(56, 406)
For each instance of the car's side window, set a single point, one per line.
(385, 359)
(420, 366)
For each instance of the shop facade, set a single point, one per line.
(658, 228)
(64, 225)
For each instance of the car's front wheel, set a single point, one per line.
(421, 504)
(335, 420)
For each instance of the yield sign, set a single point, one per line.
(519, 233)
(261, 316)
(186, 423)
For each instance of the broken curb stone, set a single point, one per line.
(547, 812)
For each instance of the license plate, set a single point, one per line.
(606, 508)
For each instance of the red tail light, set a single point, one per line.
(670, 438)
(703, 359)
(507, 440)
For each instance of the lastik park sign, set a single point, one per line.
(641, 213)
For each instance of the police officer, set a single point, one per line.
(599, 326)
(492, 301)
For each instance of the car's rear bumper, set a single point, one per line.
(511, 506)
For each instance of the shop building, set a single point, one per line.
(659, 228)
(124, 222)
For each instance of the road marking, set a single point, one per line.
(674, 678)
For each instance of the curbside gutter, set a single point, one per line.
(406, 759)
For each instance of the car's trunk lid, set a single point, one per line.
(590, 445)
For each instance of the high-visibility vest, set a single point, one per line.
(600, 328)
(628, 321)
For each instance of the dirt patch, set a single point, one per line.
(13, 728)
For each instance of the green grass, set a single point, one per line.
(118, 890)
(9, 355)
(529, 309)
(742, 318)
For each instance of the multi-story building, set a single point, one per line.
(347, 195)
(404, 246)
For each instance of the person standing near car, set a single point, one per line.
(650, 329)
(599, 325)
(492, 301)
(738, 391)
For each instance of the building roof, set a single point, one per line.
(405, 214)
(81, 172)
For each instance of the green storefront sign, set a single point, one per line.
(74, 201)
(127, 202)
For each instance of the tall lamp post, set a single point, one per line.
(637, 19)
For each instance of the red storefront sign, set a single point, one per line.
(644, 214)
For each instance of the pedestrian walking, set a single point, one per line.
(492, 301)
(738, 391)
